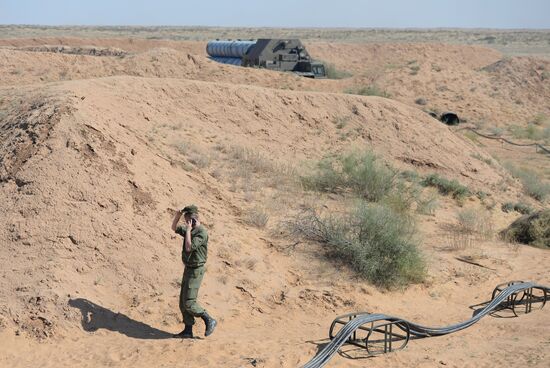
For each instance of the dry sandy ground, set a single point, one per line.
(98, 151)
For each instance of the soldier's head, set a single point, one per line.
(191, 213)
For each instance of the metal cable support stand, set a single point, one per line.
(507, 296)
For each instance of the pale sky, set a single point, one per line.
(282, 13)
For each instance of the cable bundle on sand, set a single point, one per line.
(505, 296)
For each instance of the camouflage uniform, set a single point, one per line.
(193, 273)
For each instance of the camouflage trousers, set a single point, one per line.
(190, 284)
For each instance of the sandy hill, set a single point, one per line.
(93, 167)
(477, 82)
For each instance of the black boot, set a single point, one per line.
(210, 324)
(187, 333)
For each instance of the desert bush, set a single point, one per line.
(402, 197)
(333, 73)
(540, 119)
(360, 172)
(533, 185)
(446, 186)
(257, 217)
(372, 90)
(375, 241)
(531, 229)
(252, 159)
(520, 207)
(414, 69)
(409, 175)
(427, 205)
(340, 121)
(477, 221)
(199, 160)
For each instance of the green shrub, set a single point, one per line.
(402, 197)
(427, 205)
(371, 90)
(520, 207)
(533, 185)
(446, 186)
(375, 241)
(531, 229)
(359, 172)
(409, 175)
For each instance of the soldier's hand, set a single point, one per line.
(189, 224)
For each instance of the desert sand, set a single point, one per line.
(101, 140)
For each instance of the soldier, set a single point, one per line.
(194, 254)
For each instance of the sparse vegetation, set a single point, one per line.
(487, 160)
(532, 131)
(199, 160)
(458, 240)
(257, 217)
(251, 159)
(475, 221)
(496, 131)
(427, 205)
(409, 175)
(520, 207)
(533, 185)
(359, 172)
(541, 119)
(471, 136)
(340, 121)
(376, 242)
(376, 239)
(531, 229)
(372, 90)
(414, 69)
(446, 186)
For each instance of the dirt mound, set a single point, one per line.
(133, 45)
(86, 50)
(110, 159)
(523, 81)
(26, 67)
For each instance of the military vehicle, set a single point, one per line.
(288, 55)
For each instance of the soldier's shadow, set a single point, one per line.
(95, 317)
